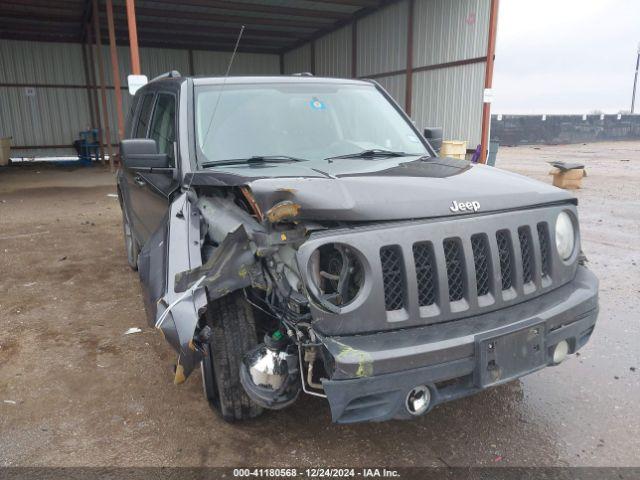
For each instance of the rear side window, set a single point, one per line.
(143, 118)
(163, 124)
(129, 126)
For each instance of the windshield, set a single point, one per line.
(305, 121)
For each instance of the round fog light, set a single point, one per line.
(560, 351)
(418, 400)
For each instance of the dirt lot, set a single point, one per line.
(75, 391)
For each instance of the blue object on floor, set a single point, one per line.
(87, 147)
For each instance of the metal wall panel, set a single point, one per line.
(382, 40)
(396, 86)
(216, 63)
(449, 30)
(124, 64)
(111, 108)
(156, 61)
(39, 62)
(298, 60)
(333, 54)
(55, 116)
(450, 98)
(43, 116)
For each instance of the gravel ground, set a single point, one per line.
(75, 391)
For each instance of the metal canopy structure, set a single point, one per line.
(271, 26)
(435, 57)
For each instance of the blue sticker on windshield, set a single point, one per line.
(317, 104)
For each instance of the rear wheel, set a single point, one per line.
(130, 243)
(233, 328)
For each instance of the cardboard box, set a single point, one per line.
(568, 179)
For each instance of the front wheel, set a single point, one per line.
(233, 328)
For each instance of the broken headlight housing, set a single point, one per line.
(337, 271)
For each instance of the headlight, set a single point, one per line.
(337, 273)
(565, 235)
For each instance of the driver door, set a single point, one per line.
(155, 188)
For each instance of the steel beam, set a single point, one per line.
(354, 49)
(90, 92)
(133, 37)
(229, 19)
(409, 70)
(488, 79)
(258, 8)
(354, 3)
(92, 72)
(312, 48)
(103, 90)
(113, 50)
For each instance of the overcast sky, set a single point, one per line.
(566, 56)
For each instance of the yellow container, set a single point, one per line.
(5, 149)
(454, 149)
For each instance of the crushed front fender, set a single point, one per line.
(174, 248)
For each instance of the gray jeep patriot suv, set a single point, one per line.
(299, 234)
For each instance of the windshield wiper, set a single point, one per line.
(255, 159)
(373, 153)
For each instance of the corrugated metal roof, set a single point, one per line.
(297, 20)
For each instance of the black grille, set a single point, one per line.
(425, 273)
(480, 247)
(524, 235)
(392, 277)
(455, 272)
(504, 252)
(543, 238)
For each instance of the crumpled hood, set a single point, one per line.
(389, 189)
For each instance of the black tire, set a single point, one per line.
(130, 244)
(233, 333)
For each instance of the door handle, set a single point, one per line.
(139, 180)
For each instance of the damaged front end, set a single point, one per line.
(232, 245)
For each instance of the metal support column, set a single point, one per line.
(488, 79)
(312, 48)
(409, 85)
(354, 49)
(115, 68)
(133, 37)
(103, 88)
(94, 87)
(89, 84)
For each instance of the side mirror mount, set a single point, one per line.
(142, 154)
(434, 137)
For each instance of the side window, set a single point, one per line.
(128, 125)
(143, 118)
(163, 124)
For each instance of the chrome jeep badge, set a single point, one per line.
(464, 206)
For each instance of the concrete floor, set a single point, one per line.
(75, 391)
